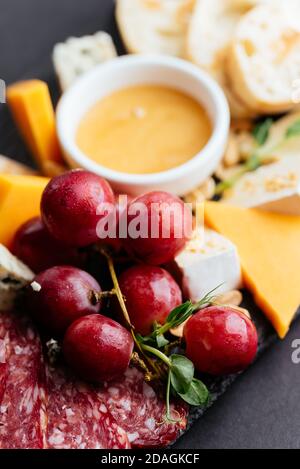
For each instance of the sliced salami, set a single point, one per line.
(3, 358)
(22, 411)
(140, 411)
(77, 417)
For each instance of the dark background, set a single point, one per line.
(262, 408)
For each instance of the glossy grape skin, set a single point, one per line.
(64, 296)
(97, 348)
(69, 206)
(220, 340)
(151, 293)
(159, 249)
(39, 250)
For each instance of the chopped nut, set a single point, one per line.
(241, 125)
(223, 173)
(208, 188)
(36, 286)
(233, 297)
(204, 192)
(241, 310)
(184, 12)
(152, 4)
(246, 144)
(178, 331)
(51, 169)
(278, 183)
(232, 154)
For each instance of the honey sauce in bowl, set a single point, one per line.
(144, 129)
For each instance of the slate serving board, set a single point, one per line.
(262, 409)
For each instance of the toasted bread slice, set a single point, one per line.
(264, 57)
(154, 26)
(209, 35)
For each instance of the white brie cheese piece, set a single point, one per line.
(14, 275)
(275, 187)
(79, 54)
(207, 261)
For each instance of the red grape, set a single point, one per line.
(151, 293)
(39, 250)
(165, 224)
(97, 348)
(60, 295)
(220, 340)
(72, 204)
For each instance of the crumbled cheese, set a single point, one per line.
(36, 286)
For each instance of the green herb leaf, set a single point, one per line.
(253, 162)
(178, 312)
(197, 394)
(262, 130)
(293, 130)
(161, 341)
(182, 373)
(207, 299)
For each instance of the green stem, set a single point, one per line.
(168, 415)
(157, 353)
(120, 297)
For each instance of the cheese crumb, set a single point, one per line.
(36, 286)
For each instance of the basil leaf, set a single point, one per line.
(182, 373)
(161, 341)
(262, 130)
(293, 130)
(197, 394)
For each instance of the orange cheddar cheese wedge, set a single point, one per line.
(31, 107)
(20, 198)
(269, 248)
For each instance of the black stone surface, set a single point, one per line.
(261, 409)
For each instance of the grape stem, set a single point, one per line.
(96, 297)
(118, 293)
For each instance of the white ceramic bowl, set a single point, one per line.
(132, 70)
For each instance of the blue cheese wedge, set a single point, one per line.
(275, 188)
(78, 55)
(209, 260)
(14, 275)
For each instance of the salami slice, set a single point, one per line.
(77, 418)
(3, 358)
(22, 411)
(140, 411)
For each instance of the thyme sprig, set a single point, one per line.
(261, 156)
(175, 370)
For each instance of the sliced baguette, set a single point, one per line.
(264, 57)
(154, 26)
(209, 35)
(77, 55)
